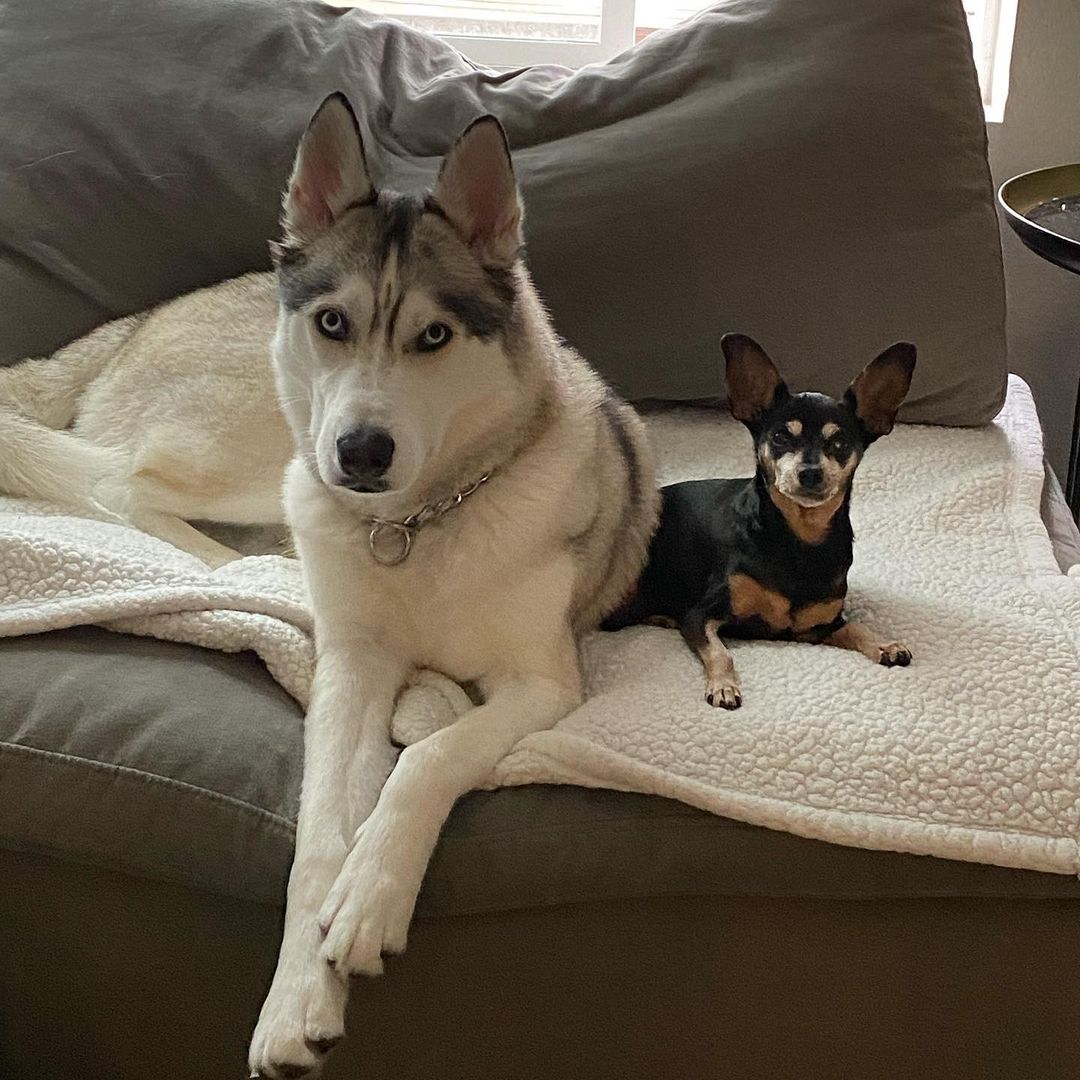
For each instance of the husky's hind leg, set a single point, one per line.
(154, 512)
(169, 491)
(179, 533)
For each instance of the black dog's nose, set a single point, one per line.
(365, 452)
(811, 476)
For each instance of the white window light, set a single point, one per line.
(992, 24)
(515, 33)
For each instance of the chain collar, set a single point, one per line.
(391, 541)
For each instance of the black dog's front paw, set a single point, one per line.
(894, 655)
(725, 696)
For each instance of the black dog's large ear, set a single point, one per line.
(479, 195)
(880, 388)
(754, 385)
(330, 173)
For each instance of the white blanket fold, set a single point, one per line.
(971, 753)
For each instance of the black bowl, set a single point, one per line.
(1043, 208)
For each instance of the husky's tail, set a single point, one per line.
(39, 398)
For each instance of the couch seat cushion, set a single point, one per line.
(180, 764)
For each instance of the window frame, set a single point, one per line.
(616, 35)
(993, 28)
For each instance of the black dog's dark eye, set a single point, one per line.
(781, 437)
(332, 323)
(434, 336)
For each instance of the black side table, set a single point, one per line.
(1043, 208)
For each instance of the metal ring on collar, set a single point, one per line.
(400, 539)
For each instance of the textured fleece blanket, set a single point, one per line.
(972, 753)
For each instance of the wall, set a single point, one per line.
(1042, 127)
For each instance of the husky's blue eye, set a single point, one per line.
(434, 336)
(332, 323)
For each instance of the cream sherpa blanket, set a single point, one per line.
(971, 753)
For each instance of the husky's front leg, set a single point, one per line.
(370, 905)
(347, 757)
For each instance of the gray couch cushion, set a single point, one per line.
(812, 174)
(175, 763)
(141, 755)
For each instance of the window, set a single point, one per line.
(513, 33)
(992, 23)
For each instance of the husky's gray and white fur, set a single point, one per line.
(412, 360)
(156, 420)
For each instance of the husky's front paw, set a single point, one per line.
(367, 912)
(301, 1020)
(894, 655)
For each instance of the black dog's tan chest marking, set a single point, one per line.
(750, 599)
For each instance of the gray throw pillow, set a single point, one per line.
(811, 173)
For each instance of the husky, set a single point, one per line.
(157, 420)
(465, 495)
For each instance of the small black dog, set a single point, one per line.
(768, 557)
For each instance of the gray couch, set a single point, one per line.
(561, 933)
(148, 790)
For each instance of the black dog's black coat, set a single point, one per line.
(743, 558)
(711, 529)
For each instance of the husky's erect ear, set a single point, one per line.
(477, 192)
(754, 385)
(878, 391)
(330, 173)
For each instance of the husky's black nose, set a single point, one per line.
(811, 476)
(364, 454)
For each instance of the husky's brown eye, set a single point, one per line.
(434, 336)
(332, 323)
